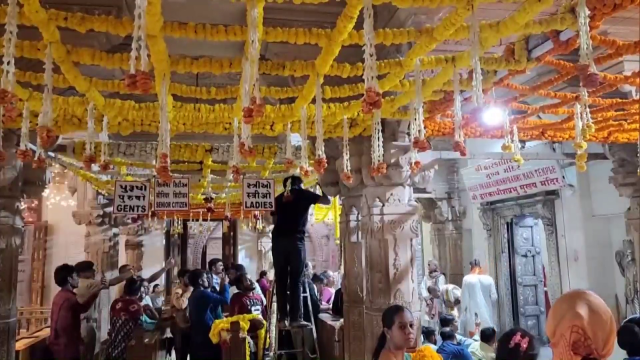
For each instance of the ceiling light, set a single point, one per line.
(493, 116)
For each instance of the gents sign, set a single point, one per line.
(131, 198)
(502, 179)
(258, 194)
(171, 195)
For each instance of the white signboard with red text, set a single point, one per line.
(502, 179)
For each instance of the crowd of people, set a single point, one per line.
(199, 298)
(579, 326)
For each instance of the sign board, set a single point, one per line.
(502, 179)
(131, 198)
(258, 194)
(171, 195)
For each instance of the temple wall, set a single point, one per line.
(65, 244)
(590, 228)
(248, 251)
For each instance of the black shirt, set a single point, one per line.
(292, 215)
(336, 306)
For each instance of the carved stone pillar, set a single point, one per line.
(10, 243)
(380, 225)
(627, 181)
(353, 284)
(133, 244)
(391, 230)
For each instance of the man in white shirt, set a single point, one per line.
(87, 285)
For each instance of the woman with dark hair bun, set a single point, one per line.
(629, 337)
(397, 334)
(517, 344)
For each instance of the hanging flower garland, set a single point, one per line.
(105, 164)
(289, 161)
(586, 68)
(458, 138)
(23, 153)
(46, 134)
(579, 144)
(164, 136)
(139, 80)
(372, 100)
(508, 144)
(89, 146)
(320, 162)
(234, 169)
(253, 106)
(419, 142)
(476, 49)
(517, 158)
(304, 154)
(346, 175)
(8, 100)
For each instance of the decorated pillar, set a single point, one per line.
(380, 231)
(10, 242)
(133, 245)
(626, 179)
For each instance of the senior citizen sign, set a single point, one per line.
(258, 194)
(502, 179)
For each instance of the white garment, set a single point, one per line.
(479, 296)
(427, 281)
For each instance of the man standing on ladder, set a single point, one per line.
(288, 249)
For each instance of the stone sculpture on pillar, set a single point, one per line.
(626, 180)
(380, 225)
(626, 260)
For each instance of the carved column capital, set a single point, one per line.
(625, 170)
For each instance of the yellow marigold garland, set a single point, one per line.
(425, 353)
(225, 324)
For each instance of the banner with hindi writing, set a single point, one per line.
(131, 198)
(502, 179)
(171, 195)
(258, 194)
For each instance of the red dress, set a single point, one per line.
(244, 304)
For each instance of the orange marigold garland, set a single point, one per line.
(425, 353)
(40, 162)
(346, 176)
(320, 162)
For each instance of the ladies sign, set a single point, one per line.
(503, 179)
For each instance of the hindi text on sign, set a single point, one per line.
(495, 180)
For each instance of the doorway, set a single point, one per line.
(523, 260)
